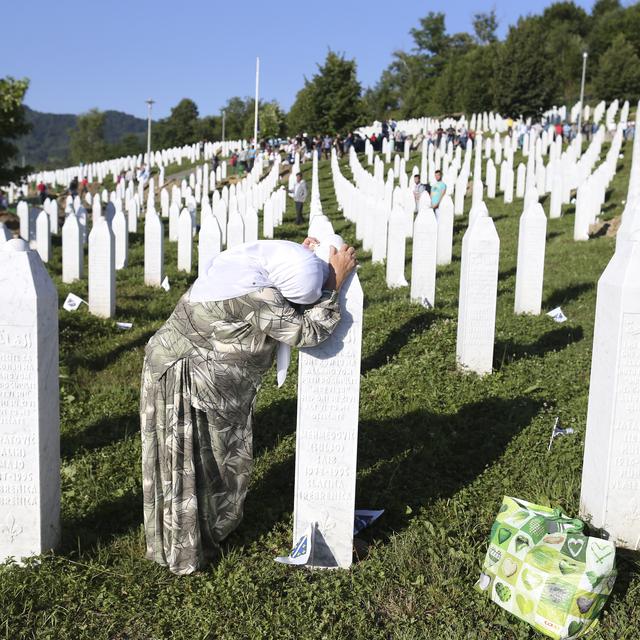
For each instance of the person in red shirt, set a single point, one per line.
(42, 191)
(558, 128)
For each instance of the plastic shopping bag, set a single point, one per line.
(544, 570)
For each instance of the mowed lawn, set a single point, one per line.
(437, 450)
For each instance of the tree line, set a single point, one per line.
(536, 65)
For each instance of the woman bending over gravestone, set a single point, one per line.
(200, 377)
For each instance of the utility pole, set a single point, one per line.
(255, 118)
(585, 55)
(150, 103)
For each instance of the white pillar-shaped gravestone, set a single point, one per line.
(610, 496)
(491, 179)
(235, 230)
(53, 216)
(444, 216)
(396, 247)
(209, 241)
(508, 185)
(185, 241)
(327, 434)
(30, 416)
(174, 216)
(267, 220)
(250, 225)
(102, 270)
(23, 214)
(423, 260)
(132, 215)
(72, 249)
(43, 235)
(153, 250)
(521, 175)
(532, 239)
(555, 205)
(582, 215)
(120, 228)
(477, 299)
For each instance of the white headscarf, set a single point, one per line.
(289, 267)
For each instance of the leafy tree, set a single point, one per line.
(484, 26)
(565, 49)
(331, 101)
(618, 74)
(525, 80)
(86, 141)
(13, 124)
(602, 7)
(130, 144)
(431, 37)
(477, 85)
(574, 18)
(238, 117)
(271, 120)
(180, 128)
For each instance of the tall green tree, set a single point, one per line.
(180, 128)
(526, 81)
(13, 124)
(618, 74)
(331, 101)
(87, 142)
(485, 26)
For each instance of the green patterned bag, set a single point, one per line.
(544, 570)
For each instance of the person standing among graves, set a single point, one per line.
(299, 197)
(200, 377)
(438, 189)
(42, 191)
(73, 187)
(418, 188)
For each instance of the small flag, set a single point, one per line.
(365, 518)
(165, 284)
(301, 550)
(557, 315)
(72, 302)
(558, 431)
(124, 325)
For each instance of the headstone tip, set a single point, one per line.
(16, 244)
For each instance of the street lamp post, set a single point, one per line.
(150, 103)
(255, 117)
(585, 55)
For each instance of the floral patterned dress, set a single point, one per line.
(200, 377)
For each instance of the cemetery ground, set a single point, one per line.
(437, 450)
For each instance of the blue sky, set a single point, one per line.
(84, 54)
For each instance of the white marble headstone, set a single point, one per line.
(610, 496)
(327, 435)
(185, 241)
(102, 270)
(30, 416)
(477, 299)
(153, 250)
(532, 240)
(423, 260)
(72, 249)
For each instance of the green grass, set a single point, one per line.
(437, 450)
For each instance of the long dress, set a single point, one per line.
(201, 373)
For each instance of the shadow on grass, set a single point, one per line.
(405, 462)
(99, 362)
(567, 294)
(507, 351)
(420, 457)
(100, 434)
(109, 519)
(397, 339)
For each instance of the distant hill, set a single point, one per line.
(47, 145)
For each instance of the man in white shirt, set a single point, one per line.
(299, 197)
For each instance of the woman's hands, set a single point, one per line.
(341, 263)
(310, 243)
